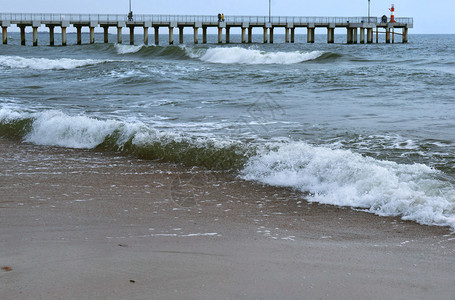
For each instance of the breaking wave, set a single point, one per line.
(331, 176)
(237, 55)
(18, 62)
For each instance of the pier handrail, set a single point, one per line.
(282, 20)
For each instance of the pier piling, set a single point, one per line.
(51, 34)
(171, 35)
(131, 35)
(196, 35)
(204, 35)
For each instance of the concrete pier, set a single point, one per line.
(146, 35)
(63, 36)
(245, 23)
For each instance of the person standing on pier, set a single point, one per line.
(222, 17)
(219, 17)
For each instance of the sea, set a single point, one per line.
(367, 126)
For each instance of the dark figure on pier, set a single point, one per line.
(219, 17)
(384, 19)
(130, 16)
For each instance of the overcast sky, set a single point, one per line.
(429, 16)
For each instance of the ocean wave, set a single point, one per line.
(341, 177)
(126, 49)
(238, 55)
(326, 175)
(18, 62)
(55, 128)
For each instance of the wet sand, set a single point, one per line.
(77, 224)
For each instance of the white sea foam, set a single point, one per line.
(125, 49)
(344, 178)
(18, 62)
(238, 55)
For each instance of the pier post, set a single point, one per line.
(157, 34)
(35, 36)
(196, 35)
(228, 34)
(51, 34)
(5, 35)
(362, 35)
(405, 35)
(310, 34)
(271, 35)
(204, 35)
(131, 34)
(106, 34)
(354, 35)
(180, 34)
(349, 35)
(92, 35)
(393, 35)
(286, 35)
(146, 34)
(22, 27)
(220, 35)
(369, 35)
(292, 34)
(387, 35)
(243, 35)
(330, 35)
(250, 35)
(63, 35)
(119, 35)
(171, 35)
(265, 35)
(377, 35)
(79, 34)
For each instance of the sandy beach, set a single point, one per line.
(77, 224)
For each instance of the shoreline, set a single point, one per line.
(80, 224)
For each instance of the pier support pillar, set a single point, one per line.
(131, 35)
(146, 35)
(377, 35)
(171, 35)
(51, 35)
(92, 35)
(157, 35)
(405, 35)
(119, 35)
(369, 35)
(393, 35)
(349, 33)
(387, 35)
(22, 35)
(286, 35)
(79, 34)
(106, 34)
(180, 34)
(35, 36)
(250, 35)
(228, 35)
(310, 34)
(220, 35)
(265, 35)
(271, 35)
(63, 36)
(5, 34)
(243, 35)
(354, 35)
(330, 35)
(362, 35)
(292, 34)
(196, 35)
(204, 35)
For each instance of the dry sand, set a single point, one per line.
(84, 225)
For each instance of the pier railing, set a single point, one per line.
(45, 17)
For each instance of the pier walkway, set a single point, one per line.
(353, 26)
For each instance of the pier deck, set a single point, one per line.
(352, 24)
